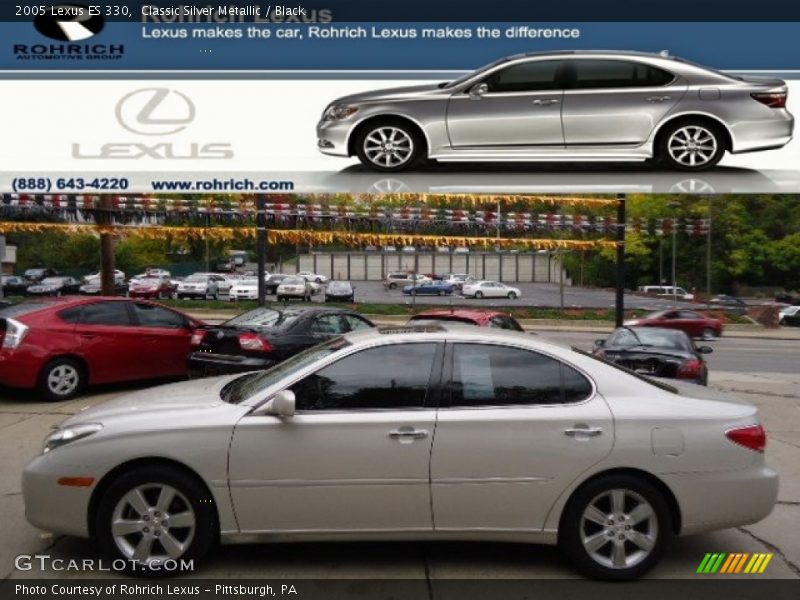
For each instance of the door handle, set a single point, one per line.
(575, 432)
(545, 102)
(658, 98)
(408, 434)
(148, 339)
(87, 336)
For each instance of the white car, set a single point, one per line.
(489, 289)
(313, 277)
(243, 289)
(225, 283)
(200, 285)
(535, 443)
(295, 286)
(789, 311)
(119, 277)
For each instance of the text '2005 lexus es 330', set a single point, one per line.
(409, 433)
(564, 106)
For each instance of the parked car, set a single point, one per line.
(54, 286)
(200, 285)
(477, 317)
(692, 323)
(224, 283)
(490, 289)
(655, 351)
(727, 303)
(95, 288)
(58, 347)
(295, 287)
(119, 277)
(534, 442)
(313, 277)
(564, 106)
(667, 291)
(263, 337)
(428, 288)
(457, 280)
(14, 285)
(789, 316)
(244, 289)
(787, 298)
(340, 291)
(37, 274)
(273, 282)
(152, 286)
(398, 278)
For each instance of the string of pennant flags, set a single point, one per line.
(144, 210)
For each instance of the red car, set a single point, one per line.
(60, 346)
(692, 323)
(151, 286)
(481, 318)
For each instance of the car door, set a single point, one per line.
(521, 107)
(616, 102)
(354, 457)
(166, 336)
(109, 342)
(515, 428)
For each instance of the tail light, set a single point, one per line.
(691, 369)
(13, 334)
(252, 342)
(752, 436)
(771, 99)
(198, 337)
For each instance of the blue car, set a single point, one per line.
(429, 288)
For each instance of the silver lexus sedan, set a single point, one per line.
(408, 434)
(564, 106)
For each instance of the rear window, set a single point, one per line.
(263, 317)
(423, 320)
(660, 385)
(17, 310)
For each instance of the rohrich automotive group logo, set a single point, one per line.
(68, 24)
(154, 111)
(734, 563)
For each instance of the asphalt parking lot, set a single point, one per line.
(24, 421)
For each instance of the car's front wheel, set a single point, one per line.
(512, 295)
(478, 295)
(615, 527)
(389, 145)
(152, 515)
(691, 146)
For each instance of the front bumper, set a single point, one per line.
(333, 137)
(204, 364)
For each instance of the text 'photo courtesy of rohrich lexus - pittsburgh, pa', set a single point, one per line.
(607, 106)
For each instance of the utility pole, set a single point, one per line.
(674, 206)
(708, 251)
(619, 305)
(261, 246)
(661, 258)
(560, 254)
(2, 259)
(105, 218)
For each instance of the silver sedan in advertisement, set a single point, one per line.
(534, 442)
(564, 106)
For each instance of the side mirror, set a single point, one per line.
(477, 91)
(705, 349)
(599, 343)
(281, 405)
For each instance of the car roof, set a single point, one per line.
(444, 332)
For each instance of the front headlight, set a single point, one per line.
(336, 112)
(64, 436)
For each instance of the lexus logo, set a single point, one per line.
(69, 22)
(155, 111)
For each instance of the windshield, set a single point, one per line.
(248, 385)
(263, 317)
(293, 281)
(338, 285)
(197, 278)
(52, 281)
(471, 74)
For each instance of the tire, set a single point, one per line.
(478, 295)
(406, 145)
(678, 148)
(318, 280)
(61, 379)
(512, 296)
(191, 502)
(782, 323)
(577, 528)
(392, 286)
(708, 334)
(440, 293)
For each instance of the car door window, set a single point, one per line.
(388, 377)
(489, 375)
(155, 316)
(531, 76)
(328, 324)
(598, 74)
(687, 314)
(356, 323)
(106, 313)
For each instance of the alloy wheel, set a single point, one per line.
(692, 146)
(388, 146)
(619, 529)
(153, 523)
(63, 380)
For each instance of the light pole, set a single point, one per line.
(674, 206)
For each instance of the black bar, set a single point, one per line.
(619, 305)
(261, 246)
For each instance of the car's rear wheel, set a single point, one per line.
(61, 379)
(615, 527)
(708, 334)
(389, 145)
(392, 286)
(155, 514)
(512, 295)
(691, 145)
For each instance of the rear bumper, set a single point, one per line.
(763, 134)
(204, 364)
(18, 371)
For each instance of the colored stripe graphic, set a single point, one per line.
(724, 563)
